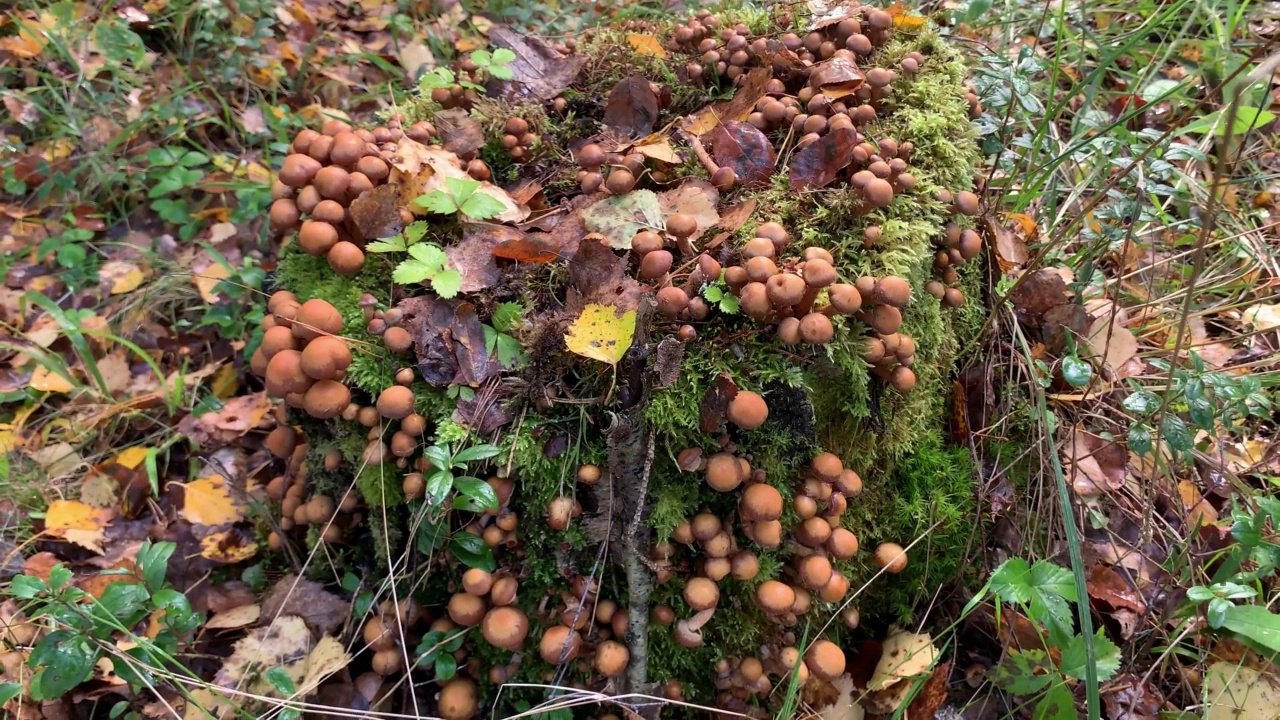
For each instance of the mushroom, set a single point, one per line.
(724, 473)
(748, 410)
(505, 627)
(775, 597)
(891, 557)
(760, 502)
(689, 632)
(611, 658)
(825, 659)
(559, 644)
(701, 593)
(458, 699)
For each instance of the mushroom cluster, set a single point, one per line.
(290, 490)
(956, 247)
(613, 172)
(302, 357)
(389, 630)
(890, 352)
(739, 679)
(321, 177)
(722, 51)
(517, 139)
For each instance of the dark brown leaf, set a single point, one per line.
(1109, 587)
(460, 134)
(473, 256)
(449, 341)
(597, 275)
(822, 160)
(932, 695)
(667, 364)
(484, 413)
(715, 403)
(838, 76)
(536, 248)
(539, 70)
(1129, 698)
(735, 216)
(323, 611)
(744, 148)
(632, 107)
(376, 213)
(1036, 294)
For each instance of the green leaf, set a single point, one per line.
(461, 189)
(482, 206)
(507, 316)
(475, 495)
(9, 691)
(481, 57)
(416, 231)
(471, 550)
(59, 576)
(1023, 672)
(412, 272)
(477, 452)
(1057, 704)
(1202, 414)
(1140, 439)
(1255, 623)
(446, 283)
(502, 72)
(1044, 588)
(439, 456)
(66, 659)
(976, 9)
(118, 43)
(428, 254)
(438, 202)
(1011, 582)
(1076, 371)
(439, 483)
(446, 666)
(504, 55)
(27, 587)
(1247, 118)
(1074, 663)
(713, 293)
(1176, 433)
(1141, 401)
(391, 244)
(280, 680)
(121, 599)
(510, 352)
(432, 534)
(729, 304)
(154, 563)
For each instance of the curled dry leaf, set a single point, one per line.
(658, 147)
(239, 617)
(744, 148)
(538, 70)
(838, 76)
(715, 403)
(736, 108)
(632, 107)
(473, 256)
(460, 133)
(1113, 590)
(647, 45)
(1095, 464)
(597, 275)
(820, 162)
(210, 501)
(319, 609)
(237, 417)
(1113, 342)
(376, 213)
(449, 339)
(228, 547)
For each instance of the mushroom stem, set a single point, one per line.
(700, 152)
(806, 301)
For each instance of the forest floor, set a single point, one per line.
(1119, 404)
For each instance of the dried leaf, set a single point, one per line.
(735, 216)
(473, 256)
(715, 403)
(538, 70)
(1110, 587)
(326, 658)
(1113, 342)
(823, 13)
(120, 277)
(647, 45)
(78, 523)
(459, 132)
(658, 147)
(418, 169)
(449, 340)
(376, 213)
(838, 76)
(238, 416)
(415, 56)
(619, 217)
(932, 695)
(208, 278)
(285, 641)
(209, 501)
(905, 656)
(1262, 317)
(632, 107)
(57, 459)
(1236, 692)
(820, 162)
(239, 617)
(1095, 464)
(696, 198)
(737, 108)
(320, 609)
(602, 334)
(597, 275)
(45, 380)
(744, 148)
(228, 547)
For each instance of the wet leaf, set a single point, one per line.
(326, 658)
(1075, 371)
(601, 334)
(597, 275)
(931, 696)
(450, 343)
(737, 108)
(1114, 343)
(906, 655)
(632, 107)
(743, 147)
(715, 403)
(234, 419)
(209, 501)
(735, 216)
(284, 642)
(473, 257)
(319, 609)
(538, 70)
(820, 162)
(838, 76)
(647, 45)
(619, 217)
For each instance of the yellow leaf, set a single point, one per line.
(45, 380)
(78, 523)
(122, 277)
(906, 655)
(285, 642)
(658, 147)
(647, 45)
(7, 441)
(209, 279)
(601, 334)
(225, 382)
(1263, 317)
(326, 658)
(131, 457)
(1236, 692)
(235, 618)
(205, 705)
(228, 546)
(208, 501)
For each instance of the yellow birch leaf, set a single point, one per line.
(228, 547)
(326, 658)
(601, 334)
(131, 457)
(239, 617)
(122, 277)
(208, 501)
(45, 380)
(206, 281)
(78, 523)
(647, 45)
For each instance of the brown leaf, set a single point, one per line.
(376, 213)
(460, 133)
(821, 161)
(473, 256)
(696, 198)
(1034, 295)
(321, 610)
(931, 695)
(735, 216)
(1110, 587)
(632, 107)
(1012, 234)
(1115, 343)
(237, 417)
(539, 70)
(737, 108)
(1096, 464)
(1129, 698)
(715, 403)
(744, 148)
(824, 13)
(598, 276)
(449, 340)
(838, 76)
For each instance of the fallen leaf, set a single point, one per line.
(823, 13)
(647, 45)
(209, 501)
(419, 169)
(1262, 317)
(414, 57)
(931, 696)
(239, 617)
(838, 76)
(115, 371)
(715, 403)
(131, 457)
(1108, 586)
(203, 704)
(697, 199)
(326, 658)
(820, 162)
(460, 133)
(234, 419)
(1128, 697)
(601, 334)
(905, 656)
(208, 278)
(738, 107)
(1199, 511)
(619, 217)
(284, 642)
(1112, 341)
(744, 148)
(253, 120)
(228, 547)
(449, 340)
(1036, 294)
(632, 107)
(539, 69)
(845, 706)
(320, 609)
(45, 380)
(58, 459)
(1236, 692)
(658, 147)
(376, 213)
(100, 489)
(78, 523)
(1094, 464)
(597, 275)
(735, 216)
(473, 256)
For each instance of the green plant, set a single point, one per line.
(171, 175)
(504, 320)
(473, 493)
(495, 64)
(459, 196)
(85, 625)
(426, 261)
(436, 650)
(718, 293)
(1045, 592)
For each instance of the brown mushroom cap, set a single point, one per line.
(785, 289)
(505, 627)
(775, 597)
(767, 533)
(466, 609)
(903, 378)
(276, 339)
(591, 156)
(814, 571)
(560, 512)
(849, 483)
(476, 581)
(681, 225)
(759, 247)
(397, 339)
(893, 290)
(646, 241)
(891, 557)
(326, 399)
(316, 237)
(723, 473)
(878, 191)
(671, 300)
(611, 658)
(395, 403)
(701, 593)
(282, 441)
(825, 659)
(705, 526)
(655, 264)
(554, 641)
(458, 700)
(760, 502)
(298, 170)
(284, 374)
(775, 233)
(816, 329)
(885, 319)
(966, 203)
(754, 299)
(845, 299)
(316, 317)
(346, 258)
(842, 544)
(325, 358)
(748, 410)
(620, 181)
(589, 474)
(789, 331)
